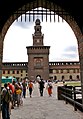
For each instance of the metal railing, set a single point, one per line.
(72, 95)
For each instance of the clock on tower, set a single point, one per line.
(37, 36)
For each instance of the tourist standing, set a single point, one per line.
(12, 88)
(16, 95)
(6, 98)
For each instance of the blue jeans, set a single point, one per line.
(5, 110)
(24, 93)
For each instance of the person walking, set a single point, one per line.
(24, 84)
(41, 87)
(49, 88)
(6, 99)
(30, 87)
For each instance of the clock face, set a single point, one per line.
(37, 40)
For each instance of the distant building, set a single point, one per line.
(38, 65)
(57, 70)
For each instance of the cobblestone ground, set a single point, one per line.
(44, 107)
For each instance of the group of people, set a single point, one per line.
(41, 83)
(13, 93)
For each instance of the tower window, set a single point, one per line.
(37, 29)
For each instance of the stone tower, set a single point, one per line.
(38, 56)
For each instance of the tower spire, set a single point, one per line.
(38, 36)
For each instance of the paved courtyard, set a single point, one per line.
(44, 107)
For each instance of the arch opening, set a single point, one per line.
(73, 25)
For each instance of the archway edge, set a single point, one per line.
(29, 6)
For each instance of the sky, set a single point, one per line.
(58, 35)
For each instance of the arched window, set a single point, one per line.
(62, 78)
(77, 77)
(55, 77)
(70, 77)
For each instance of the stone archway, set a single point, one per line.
(68, 19)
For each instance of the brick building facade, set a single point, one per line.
(38, 55)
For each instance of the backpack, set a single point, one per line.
(50, 86)
(7, 97)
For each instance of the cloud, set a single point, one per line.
(71, 49)
(23, 24)
(71, 53)
(23, 21)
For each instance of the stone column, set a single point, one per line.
(81, 75)
(80, 47)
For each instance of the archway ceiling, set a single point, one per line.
(75, 8)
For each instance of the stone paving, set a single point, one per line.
(45, 107)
